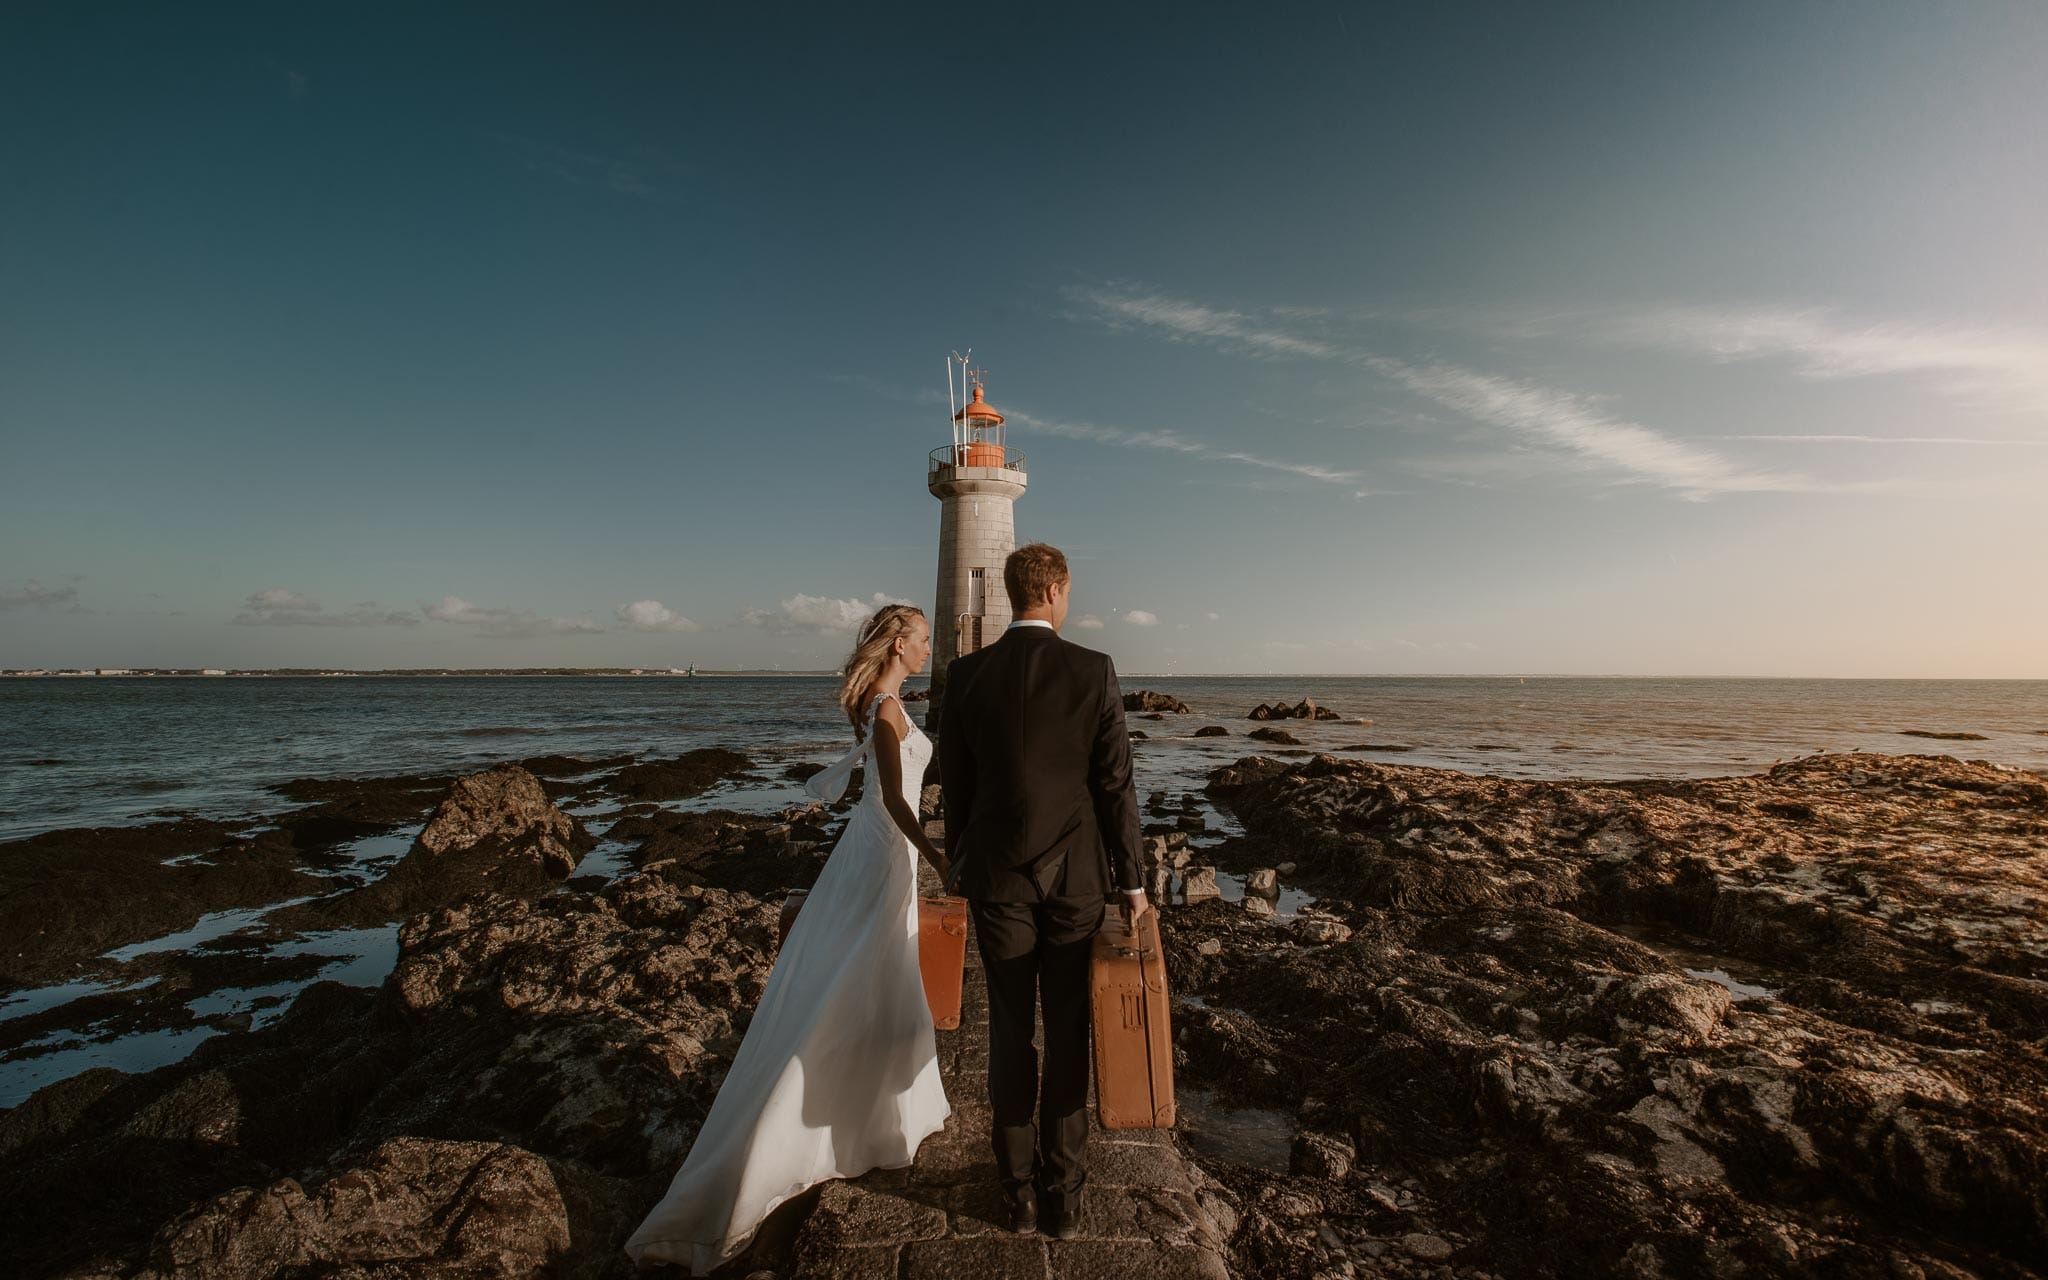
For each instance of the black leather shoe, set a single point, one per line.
(1063, 1214)
(1023, 1212)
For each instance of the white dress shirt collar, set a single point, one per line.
(1029, 622)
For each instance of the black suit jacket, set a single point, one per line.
(1036, 764)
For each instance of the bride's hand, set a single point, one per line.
(938, 860)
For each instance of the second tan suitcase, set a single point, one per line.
(1133, 1038)
(942, 956)
(941, 951)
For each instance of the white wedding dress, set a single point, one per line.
(838, 1073)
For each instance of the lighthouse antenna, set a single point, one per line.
(949, 403)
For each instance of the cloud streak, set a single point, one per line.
(1174, 442)
(506, 624)
(1570, 423)
(1924, 440)
(1560, 420)
(280, 607)
(34, 595)
(817, 615)
(652, 615)
(644, 178)
(1985, 364)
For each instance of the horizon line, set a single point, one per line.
(663, 673)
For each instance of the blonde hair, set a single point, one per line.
(871, 652)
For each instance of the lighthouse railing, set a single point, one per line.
(948, 456)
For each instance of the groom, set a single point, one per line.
(1041, 827)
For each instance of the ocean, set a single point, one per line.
(117, 750)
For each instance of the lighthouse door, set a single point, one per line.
(977, 592)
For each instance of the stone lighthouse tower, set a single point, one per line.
(975, 479)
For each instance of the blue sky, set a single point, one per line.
(1672, 339)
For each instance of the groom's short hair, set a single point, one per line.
(1031, 571)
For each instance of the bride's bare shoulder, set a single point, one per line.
(890, 712)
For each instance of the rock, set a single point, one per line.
(1944, 737)
(1305, 709)
(1662, 1007)
(916, 695)
(1320, 929)
(1254, 905)
(454, 1209)
(504, 806)
(1278, 736)
(1260, 712)
(1177, 840)
(1428, 1248)
(1147, 700)
(931, 802)
(1156, 800)
(1199, 884)
(1290, 1202)
(1212, 731)
(1159, 883)
(690, 774)
(1264, 881)
(1137, 735)
(1322, 1155)
(1209, 947)
(1191, 824)
(1285, 868)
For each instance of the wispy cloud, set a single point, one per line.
(507, 624)
(1973, 441)
(817, 615)
(296, 82)
(652, 615)
(1174, 442)
(34, 595)
(1559, 419)
(279, 607)
(1571, 423)
(1195, 321)
(1141, 618)
(1991, 364)
(1088, 622)
(647, 176)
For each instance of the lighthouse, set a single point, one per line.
(975, 479)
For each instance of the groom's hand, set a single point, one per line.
(1135, 906)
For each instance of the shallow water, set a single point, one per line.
(1248, 1136)
(1744, 979)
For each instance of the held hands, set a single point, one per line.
(938, 860)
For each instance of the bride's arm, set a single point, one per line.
(888, 755)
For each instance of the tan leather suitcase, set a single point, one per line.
(1133, 1037)
(942, 956)
(941, 951)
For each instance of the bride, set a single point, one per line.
(838, 1073)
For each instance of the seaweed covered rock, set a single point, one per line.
(1145, 700)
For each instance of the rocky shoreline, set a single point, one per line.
(1490, 1073)
(1793, 1023)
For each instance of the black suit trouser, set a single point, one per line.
(1037, 953)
